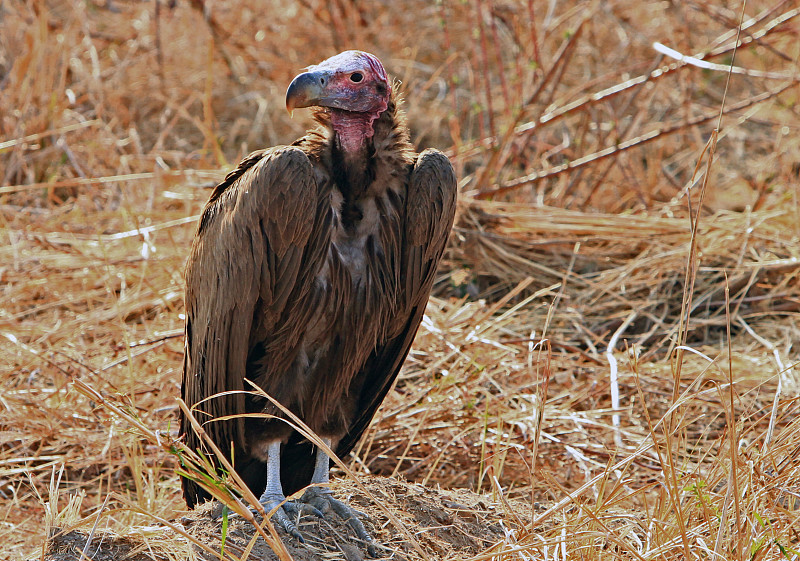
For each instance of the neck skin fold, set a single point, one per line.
(352, 129)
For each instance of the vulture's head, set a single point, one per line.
(352, 85)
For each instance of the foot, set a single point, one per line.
(282, 511)
(320, 502)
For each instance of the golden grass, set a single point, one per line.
(579, 150)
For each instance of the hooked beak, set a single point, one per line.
(307, 89)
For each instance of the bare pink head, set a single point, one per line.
(352, 81)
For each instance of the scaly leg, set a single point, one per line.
(273, 496)
(316, 500)
(322, 501)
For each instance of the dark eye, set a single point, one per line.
(356, 77)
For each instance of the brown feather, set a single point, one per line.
(311, 280)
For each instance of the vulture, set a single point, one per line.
(308, 276)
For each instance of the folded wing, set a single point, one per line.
(259, 244)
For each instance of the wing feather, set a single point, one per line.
(246, 262)
(430, 211)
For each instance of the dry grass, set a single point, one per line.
(580, 151)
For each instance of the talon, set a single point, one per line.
(317, 500)
(297, 510)
(323, 502)
(280, 516)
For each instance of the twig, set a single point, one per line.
(617, 89)
(172, 334)
(485, 68)
(94, 528)
(612, 363)
(778, 389)
(628, 144)
(498, 158)
(693, 61)
(83, 181)
(58, 131)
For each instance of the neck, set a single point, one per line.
(353, 130)
(352, 150)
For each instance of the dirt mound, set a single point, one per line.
(447, 524)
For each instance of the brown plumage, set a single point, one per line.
(309, 275)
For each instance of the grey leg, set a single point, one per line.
(321, 466)
(274, 490)
(316, 500)
(322, 501)
(273, 496)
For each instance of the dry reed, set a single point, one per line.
(578, 148)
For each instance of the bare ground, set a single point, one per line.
(447, 524)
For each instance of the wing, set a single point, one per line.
(430, 210)
(260, 237)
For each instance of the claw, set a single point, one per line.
(279, 515)
(318, 502)
(323, 502)
(315, 500)
(296, 510)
